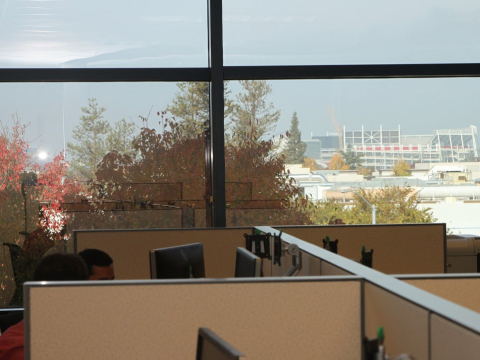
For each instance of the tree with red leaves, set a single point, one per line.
(168, 171)
(14, 159)
(24, 185)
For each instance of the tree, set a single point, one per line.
(90, 135)
(311, 163)
(322, 213)
(259, 189)
(14, 159)
(352, 159)
(401, 168)
(192, 105)
(338, 163)
(15, 162)
(167, 172)
(295, 148)
(24, 188)
(120, 137)
(253, 117)
(394, 205)
(364, 171)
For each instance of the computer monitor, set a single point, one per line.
(367, 258)
(177, 262)
(330, 245)
(247, 264)
(212, 347)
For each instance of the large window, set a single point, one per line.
(96, 156)
(120, 114)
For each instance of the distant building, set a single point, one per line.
(322, 148)
(381, 149)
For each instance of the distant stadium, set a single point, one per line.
(381, 149)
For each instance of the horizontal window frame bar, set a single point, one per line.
(379, 71)
(288, 72)
(104, 75)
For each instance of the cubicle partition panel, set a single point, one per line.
(405, 249)
(398, 249)
(129, 249)
(462, 289)
(414, 321)
(263, 318)
(421, 324)
(405, 324)
(452, 341)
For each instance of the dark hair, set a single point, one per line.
(60, 267)
(95, 257)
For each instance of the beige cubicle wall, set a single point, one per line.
(129, 249)
(264, 319)
(462, 289)
(451, 341)
(405, 324)
(406, 313)
(398, 249)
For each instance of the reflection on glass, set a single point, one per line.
(273, 32)
(101, 34)
(90, 156)
(258, 189)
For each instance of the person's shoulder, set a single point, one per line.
(12, 342)
(17, 353)
(13, 330)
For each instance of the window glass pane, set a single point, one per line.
(273, 32)
(258, 188)
(107, 33)
(400, 140)
(134, 159)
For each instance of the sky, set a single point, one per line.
(147, 33)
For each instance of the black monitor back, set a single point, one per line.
(247, 264)
(367, 258)
(212, 347)
(177, 262)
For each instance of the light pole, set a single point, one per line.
(374, 209)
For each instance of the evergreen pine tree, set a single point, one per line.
(191, 105)
(120, 138)
(90, 135)
(352, 159)
(295, 148)
(253, 116)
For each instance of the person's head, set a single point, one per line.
(60, 267)
(99, 264)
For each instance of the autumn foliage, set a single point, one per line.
(14, 159)
(168, 173)
(338, 163)
(401, 168)
(31, 215)
(394, 205)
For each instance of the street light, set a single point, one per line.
(374, 209)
